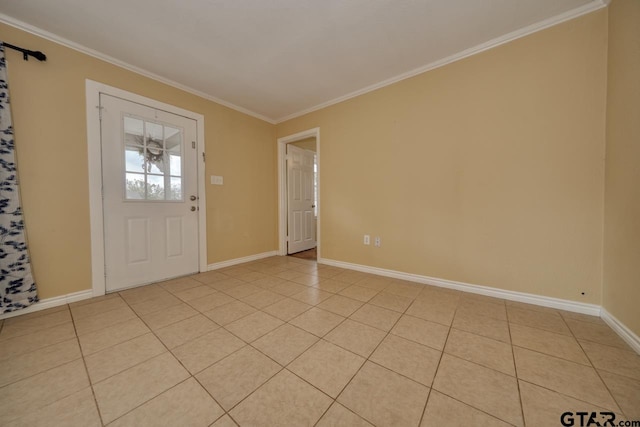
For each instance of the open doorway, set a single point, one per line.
(298, 167)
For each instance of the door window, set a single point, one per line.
(153, 154)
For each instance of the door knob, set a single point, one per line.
(192, 198)
(193, 208)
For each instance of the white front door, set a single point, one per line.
(149, 164)
(300, 190)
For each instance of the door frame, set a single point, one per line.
(282, 186)
(93, 91)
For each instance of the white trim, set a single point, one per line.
(522, 32)
(514, 35)
(231, 262)
(93, 91)
(621, 329)
(50, 303)
(561, 304)
(111, 60)
(282, 186)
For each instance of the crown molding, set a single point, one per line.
(522, 32)
(111, 60)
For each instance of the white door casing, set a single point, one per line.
(149, 174)
(300, 190)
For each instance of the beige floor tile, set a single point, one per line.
(443, 410)
(285, 343)
(40, 360)
(97, 307)
(186, 404)
(422, 331)
(339, 416)
(626, 391)
(311, 296)
(562, 346)
(408, 358)
(385, 398)
(230, 312)
(210, 277)
(549, 321)
(543, 407)
(143, 293)
(481, 325)
(27, 343)
(568, 315)
(27, 396)
(350, 277)
(252, 276)
(317, 321)
(331, 286)
(327, 367)
(325, 272)
(601, 334)
(235, 377)
(204, 351)
(485, 389)
(404, 289)
(434, 310)
(306, 279)
(481, 350)
(286, 309)
(127, 390)
(569, 378)
(185, 330)
(161, 302)
(341, 305)
(359, 293)
(226, 284)
(377, 317)
(356, 337)
(287, 274)
(377, 283)
(440, 296)
(118, 358)
(103, 320)
(483, 308)
(224, 421)
(612, 359)
(284, 401)
(83, 302)
(468, 296)
(288, 288)
(19, 325)
(107, 337)
(78, 409)
(253, 326)
(180, 284)
(391, 301)
(165, 317)
(211, 301)
(194, 292)
(262, 299)
(268, 282)
(243, 291)
(531, 307)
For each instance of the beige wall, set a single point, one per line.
(622, 201)
(488, 170)
(48, 104)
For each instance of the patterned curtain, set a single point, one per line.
(17, 288)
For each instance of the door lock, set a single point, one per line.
(193, 208)
(192, 198)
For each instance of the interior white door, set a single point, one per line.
(300, 191)
(149, 168)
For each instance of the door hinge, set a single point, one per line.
(204, 159)
(193, 145)
(100, 108)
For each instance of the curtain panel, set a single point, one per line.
(17, 288)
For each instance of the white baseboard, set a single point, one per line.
(562, 304)
(50, 303)
(625, 333)
(231, 262)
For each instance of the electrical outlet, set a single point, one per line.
(367, 239)
(377, 242)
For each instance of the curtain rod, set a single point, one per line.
(26, 53)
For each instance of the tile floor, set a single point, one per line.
(286, 342)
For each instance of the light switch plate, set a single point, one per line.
(216, 180)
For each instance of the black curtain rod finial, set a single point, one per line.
(26, 53)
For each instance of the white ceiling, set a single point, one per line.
(278, 58)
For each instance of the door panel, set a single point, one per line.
(301, 218)
(149, 173)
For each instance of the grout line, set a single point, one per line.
(515, 369)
